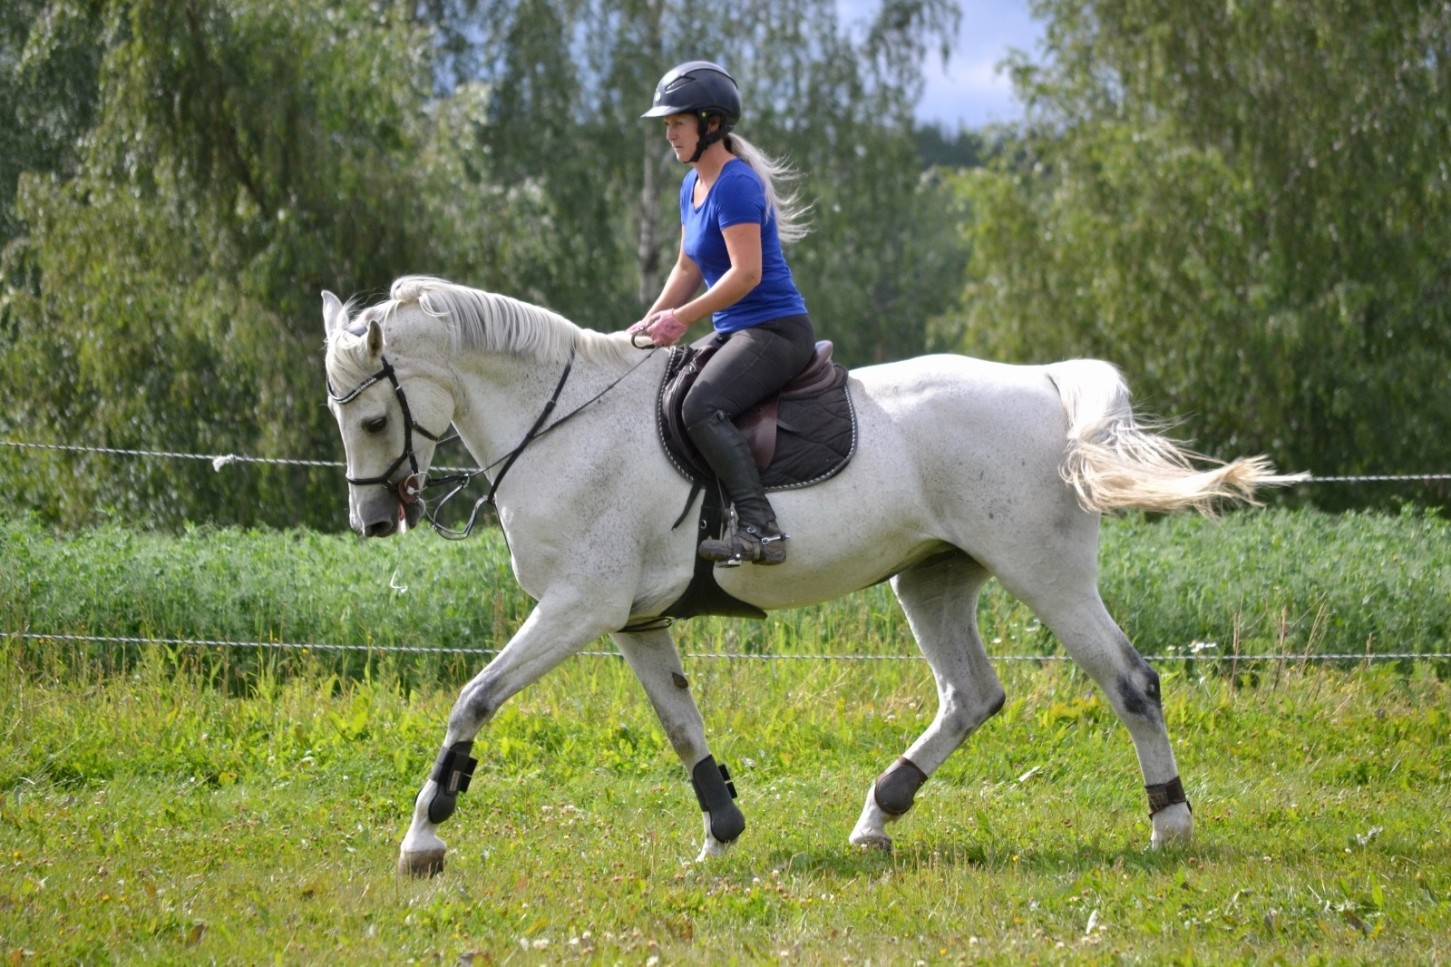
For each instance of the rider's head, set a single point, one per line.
(704, 91)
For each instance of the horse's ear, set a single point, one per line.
(375, 338)
(333, 314)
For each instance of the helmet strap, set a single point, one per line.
(707, 136)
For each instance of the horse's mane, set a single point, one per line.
(493, 323)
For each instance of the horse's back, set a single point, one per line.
(970, 412)
(952, 452)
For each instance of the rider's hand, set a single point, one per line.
(664, 328)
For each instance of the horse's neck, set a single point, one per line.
(501, 398)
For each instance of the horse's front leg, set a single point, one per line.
(656, 663)
(548, 636)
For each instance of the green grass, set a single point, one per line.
(1265, 582)
(175, 804)
(151, 819)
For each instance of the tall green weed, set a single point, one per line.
(1280, 582)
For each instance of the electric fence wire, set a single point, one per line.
(220, 461)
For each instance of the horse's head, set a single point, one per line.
(392, 406)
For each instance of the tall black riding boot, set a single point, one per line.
(756, 538)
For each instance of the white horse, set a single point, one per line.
(964, 469)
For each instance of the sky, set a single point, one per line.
(969, 92)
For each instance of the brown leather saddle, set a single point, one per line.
(801, 436)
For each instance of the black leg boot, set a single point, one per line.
(757, 538)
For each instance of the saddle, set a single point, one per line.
(801, 436)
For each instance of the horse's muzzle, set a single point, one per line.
(403, 514)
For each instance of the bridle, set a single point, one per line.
(407, 488)
(410, 488)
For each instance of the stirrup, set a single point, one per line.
(746, 544)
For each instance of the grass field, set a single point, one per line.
(150, 819)
(168, 804)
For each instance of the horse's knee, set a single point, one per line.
(476, 705)
(685, 741)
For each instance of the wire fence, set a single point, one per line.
(1202, 655)
(221, 461)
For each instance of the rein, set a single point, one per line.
(462, 480)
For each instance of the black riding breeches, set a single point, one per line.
(750, 365)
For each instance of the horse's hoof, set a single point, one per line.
(1173, 826)
(872, 842)
(713, 849)
(1170, 840)
(421, 865)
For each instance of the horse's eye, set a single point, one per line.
(376, 424)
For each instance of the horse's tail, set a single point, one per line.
(1113, 463)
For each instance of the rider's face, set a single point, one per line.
(683, 134)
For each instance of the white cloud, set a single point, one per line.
(970, 91)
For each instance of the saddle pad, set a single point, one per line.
(815, 430)
(815, 436)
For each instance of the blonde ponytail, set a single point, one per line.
(791, 211)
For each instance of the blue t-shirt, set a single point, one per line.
(736, 197)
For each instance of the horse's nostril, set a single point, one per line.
(380, 528)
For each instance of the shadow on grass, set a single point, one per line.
(916, 855)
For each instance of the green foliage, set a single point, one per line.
(171, 803)
(1246, 207)
(49, 57)
(244, 156)
(874, 293)
(964, 148)
(187, 177)
(1281, 583)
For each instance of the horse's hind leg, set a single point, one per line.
(940, 600)
(1092, 639)
(656, 663)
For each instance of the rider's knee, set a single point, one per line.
(698, 409)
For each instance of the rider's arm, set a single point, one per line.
(743, 242)
(684, 281)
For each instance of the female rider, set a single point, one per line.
(733, 222)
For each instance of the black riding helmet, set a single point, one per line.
(701, 88)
